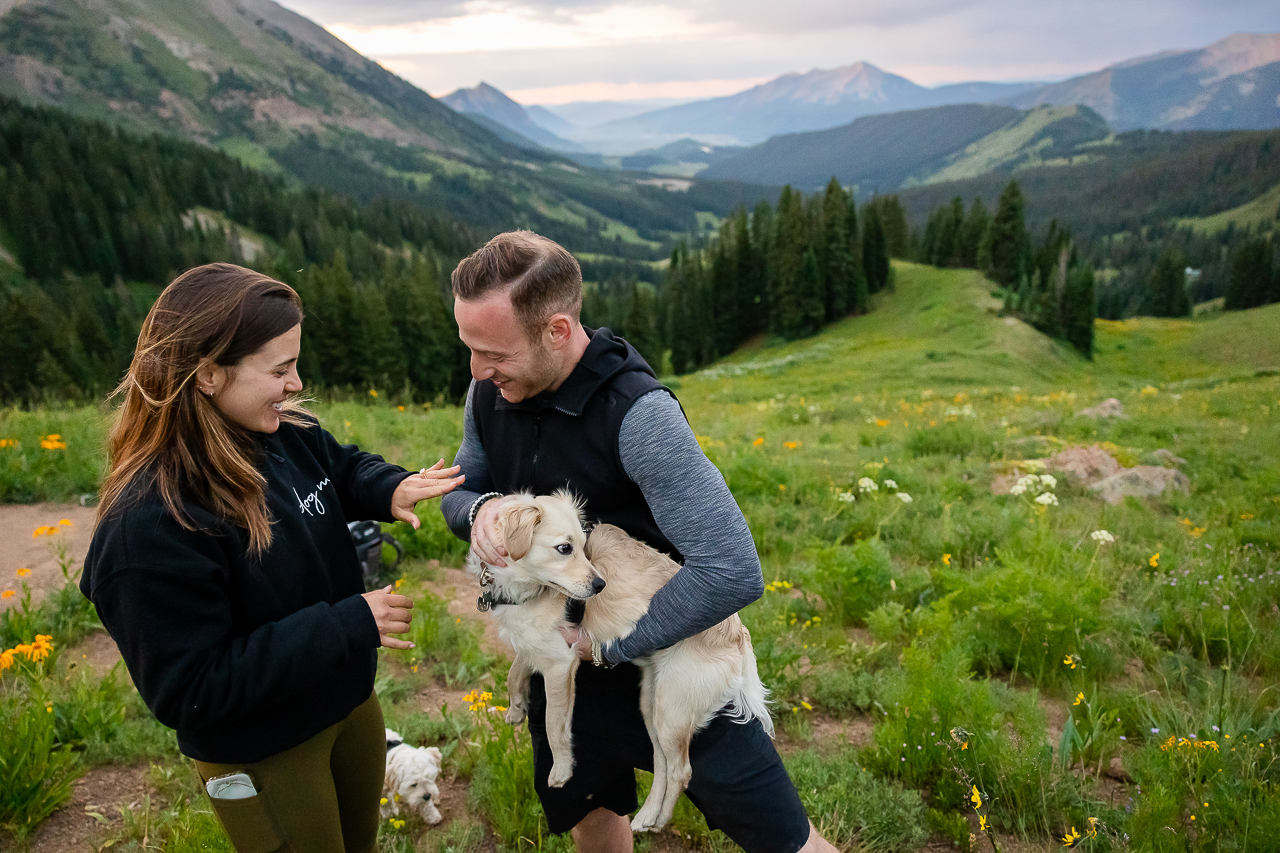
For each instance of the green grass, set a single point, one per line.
(1262, 210)
(961, 610)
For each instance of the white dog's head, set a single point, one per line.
(546, 546)
(410, 780)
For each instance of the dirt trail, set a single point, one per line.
(19, 549)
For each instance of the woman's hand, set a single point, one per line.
(392, 611)
(426, 484)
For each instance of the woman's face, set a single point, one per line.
(251, 393)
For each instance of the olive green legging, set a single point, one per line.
(321, 796)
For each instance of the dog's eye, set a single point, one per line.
(413, 784)
(564, 548)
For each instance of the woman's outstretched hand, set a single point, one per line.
(392, 611)
(426, 484)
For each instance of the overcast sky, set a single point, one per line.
(554, 52)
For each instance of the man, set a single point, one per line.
(555, 405)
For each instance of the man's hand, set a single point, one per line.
(392, 611)
(579, 640)
(485, 539)
(426, 484)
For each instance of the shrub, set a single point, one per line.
(855, 808)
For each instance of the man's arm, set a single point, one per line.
(697, 513)
(475, 465)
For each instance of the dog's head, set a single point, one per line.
(546, 544)
(410, 780)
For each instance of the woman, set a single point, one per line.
(222, 566)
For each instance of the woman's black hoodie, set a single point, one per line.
(248, 656)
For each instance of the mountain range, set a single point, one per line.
(283, 95)
(891, 150)
(1231, 84)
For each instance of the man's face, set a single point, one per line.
(500, 350)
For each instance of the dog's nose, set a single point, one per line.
(597, 584)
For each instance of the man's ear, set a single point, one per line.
(559, 330)
(515, 524)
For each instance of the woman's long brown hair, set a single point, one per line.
(168, 437)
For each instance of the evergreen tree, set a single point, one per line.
(1007, 241)
(875, 252)
(1251, 282)
(1167, 287)
(1079, 309)
(969, 238)
(640, 327)
(809, 296)
(837, 260)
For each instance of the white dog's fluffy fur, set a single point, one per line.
(682, 688)
(410, 780)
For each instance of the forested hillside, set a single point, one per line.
(96, 220)
(281, 94)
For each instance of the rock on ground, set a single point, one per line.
(1108, 408)
(1143, 481)
(1088, 464)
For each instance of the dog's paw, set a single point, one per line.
(561, 772)
(644, 823)
(515, 715)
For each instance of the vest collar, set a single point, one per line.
(603, 358)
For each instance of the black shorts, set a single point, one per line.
(739, 783)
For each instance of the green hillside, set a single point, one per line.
(944, 654)
(279, 92)
(1263, 210)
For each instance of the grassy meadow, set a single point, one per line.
(953, 668)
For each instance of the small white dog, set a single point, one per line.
(682, 688)
(410, 780)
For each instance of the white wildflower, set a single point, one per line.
(891, 484)
(1049, 480)
(1102, 536)
(1048, 499)
(1018, 489)
(845, 497)
(904, 497)
(866, 484)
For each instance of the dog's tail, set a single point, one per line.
(749, 697)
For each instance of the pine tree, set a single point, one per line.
(969, 238)
(1007, 241)
(640, 327)
(875, 252)
(1079, 309)
(837, 260)
(1167, 287)
(1250, 283)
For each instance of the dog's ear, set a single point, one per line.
(516, 524)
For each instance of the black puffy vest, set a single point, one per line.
(568, 438)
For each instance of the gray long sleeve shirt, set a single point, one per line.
(691, 504)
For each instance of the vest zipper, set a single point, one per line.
(537, 429)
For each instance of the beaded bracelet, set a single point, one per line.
(475, 507)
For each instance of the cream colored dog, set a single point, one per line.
(682, 687)
(410, 779)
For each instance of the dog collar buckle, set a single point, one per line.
(483, 603)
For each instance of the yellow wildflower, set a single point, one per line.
(1071, 660)
(8, 593)
(806, 705)
(982, 823)
(22, 573)
(1154, 560)
(881, 422)
(48, 707)
(1070, 839)
(976, 799)
(946, 559)
(66, 522)
(791, 445)
(373, 392)
(8, 442)
(399, 408)
(1079, 698)
(759, 441)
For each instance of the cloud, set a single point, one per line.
(549, 47)
(499, 26)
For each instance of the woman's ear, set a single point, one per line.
(210, 378)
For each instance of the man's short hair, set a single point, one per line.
(539, 275)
